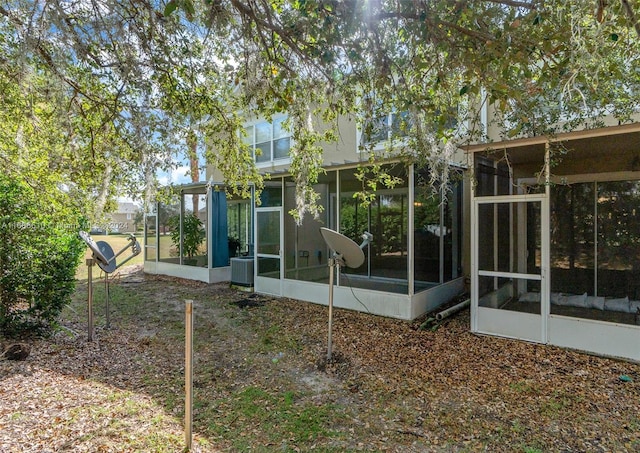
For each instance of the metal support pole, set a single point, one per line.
(106, 299)
(188, 374)
(89, 263)
(332, 265)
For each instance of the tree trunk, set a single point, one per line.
(103, 194)
(192, 145)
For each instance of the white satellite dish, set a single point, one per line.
(103, 252)
(97, 254)
(345, 253)
(350, 253)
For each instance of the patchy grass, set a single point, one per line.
(286, 420)
(261, 382)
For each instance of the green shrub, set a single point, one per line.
(193, 234)
(39, 253)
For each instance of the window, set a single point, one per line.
(395, 127)
(595, 264)
(269, 141)
(391, 126)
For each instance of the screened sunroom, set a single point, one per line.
(555, 250)
(413, 264)
(195, 234)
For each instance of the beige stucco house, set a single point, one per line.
(414, 264)
(122, 220)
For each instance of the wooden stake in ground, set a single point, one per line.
(188, 374)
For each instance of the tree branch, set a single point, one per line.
(515, 4)
(247, 11)
(465, 31)
(631, 15)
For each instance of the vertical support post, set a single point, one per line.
(209, 228)
(473, 242)
(332, 265)
(443, 228)
(106, 300)
(89, 263)
(545, 255)
(188, 374)
(411, 258)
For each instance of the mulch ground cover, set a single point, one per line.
(262, 381)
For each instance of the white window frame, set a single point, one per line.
(401, 140)
(383, 143)
(251, 141)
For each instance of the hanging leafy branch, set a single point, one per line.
(132, 77)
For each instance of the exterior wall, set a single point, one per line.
(494, 133)
(343, 152)
(122, 223)
(346, 149)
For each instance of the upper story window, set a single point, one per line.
(391, 126)
(269, 141)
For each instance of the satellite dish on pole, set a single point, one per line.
(104, 256)
(103, 252)
(345, 253)
(348, 252)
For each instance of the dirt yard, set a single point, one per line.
(262, 382)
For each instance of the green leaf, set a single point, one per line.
(515, 131)
(189, 8)
(170, 8)
(613, 36)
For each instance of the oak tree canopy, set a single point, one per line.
(100, 94)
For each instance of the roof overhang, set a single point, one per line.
(563, 137)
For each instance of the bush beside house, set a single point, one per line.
(38, 258)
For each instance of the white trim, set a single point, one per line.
(523, 198)
(474, 236)
(509, 275)
(381, 303)
(263, 284)
(411, 232)
(524, 326)
(273, 161)
(600, 337)
(214, 275)
(545, 255)
(510, 324)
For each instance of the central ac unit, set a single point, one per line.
(242, 271)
